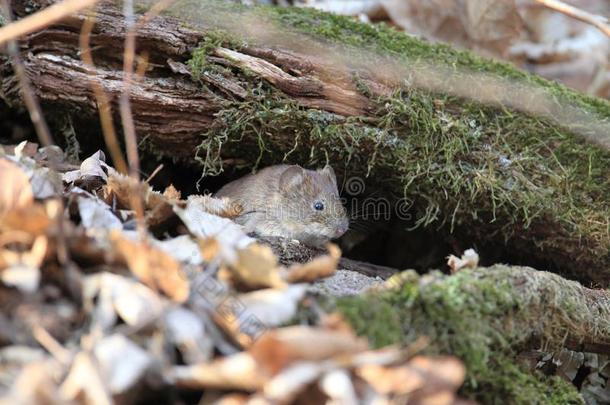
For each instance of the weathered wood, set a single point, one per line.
(168, 107)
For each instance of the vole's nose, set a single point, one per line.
(342, 228)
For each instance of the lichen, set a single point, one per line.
(476, 315)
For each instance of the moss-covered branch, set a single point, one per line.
(486, 316)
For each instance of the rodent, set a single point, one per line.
(290, 202)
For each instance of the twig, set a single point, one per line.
(42, 18)
(31, 102)
(125, 105)
(599, 22)
(129, 130)
(47, 341)
(103, 104)
(154, 173)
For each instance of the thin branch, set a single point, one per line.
(31, 102)
(125, 105)
(103, 103)
(42, 18)
(599, 22)
(129, 130)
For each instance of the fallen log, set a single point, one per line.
(486, 316)
(451, 150)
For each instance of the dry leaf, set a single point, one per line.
(337, 385)
(15, 189)
(488, 24)
(272, 307)
(24, 149)
(84, 382)
(276, 349)
(122, 363)
(186, 331)
(209, 248)
(35, 384)
(470, 260)
(182, 248)
(285, 386)
(136, 304)
(23, 268)
(319, 267)
(91, 175)
(246, 317)
(232, 399)
(158, 207)
(239, 371)
(95, 214)
(32, 221)
(256, 267)
(392, 380)
(202, 224)
(449, 371)
(491, 24)
(153, 267)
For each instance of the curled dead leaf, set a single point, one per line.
(278, 348)
(153, 267)
(15, 189)
(256, 267)
(22, 269)
(319, 267)
(239, 371)
(391, 380)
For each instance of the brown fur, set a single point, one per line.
(279, 201)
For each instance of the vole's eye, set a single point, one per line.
(318, 206)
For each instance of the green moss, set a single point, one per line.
(198, 63)
(474, 315)
(485, 170)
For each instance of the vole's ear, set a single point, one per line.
(329, 173)
(292, 177)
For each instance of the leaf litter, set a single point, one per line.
(207, 310)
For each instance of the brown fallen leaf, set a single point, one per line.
(31, 221)
(319, 267)
(35, 384)
(25, 148)
(447, 370)
(84, 381)
(158, 207)
(278, 348)
(292, 381)
(247, 316)
(490, 25)
(15, 188)
(232, 399)
(153, 267)
(391, 380)
(256, 267)
(22, 269)
(209, 248)
(335, 321)
(239, 371)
